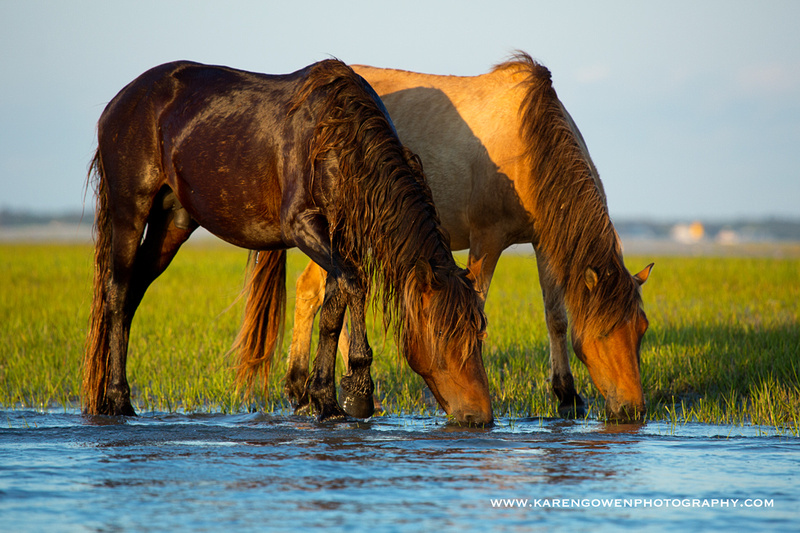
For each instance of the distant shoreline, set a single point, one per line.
(61, 232)
(644, 247)
(67, 233)
(81, 233)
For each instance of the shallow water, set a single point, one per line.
(265, 472)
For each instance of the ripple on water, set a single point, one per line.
(210, 471)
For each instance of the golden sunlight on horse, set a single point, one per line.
(506, 164)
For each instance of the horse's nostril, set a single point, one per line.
(475, 419)
(627, 413)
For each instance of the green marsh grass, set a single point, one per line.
(722, 347)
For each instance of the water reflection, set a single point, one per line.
(244, 471)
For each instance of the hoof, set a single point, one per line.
(331, 414)
(325, 406)
(117, 405)
(572, 408)
(117, 410)
(303, 408)
(356, 394)
(357, 406)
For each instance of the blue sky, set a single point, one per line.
(689, 109)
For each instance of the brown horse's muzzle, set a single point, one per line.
(625, 411)
(476, 412)
(471, 405)
(465, 396)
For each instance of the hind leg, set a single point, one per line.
(167, 230)
(135, 267)
(310, 295)
(116, 400)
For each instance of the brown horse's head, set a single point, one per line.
(443, 334)
(612, 356)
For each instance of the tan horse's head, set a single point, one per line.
(613, 357)
(444, 331)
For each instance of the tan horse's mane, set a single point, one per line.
(573, 228)
(383, 219)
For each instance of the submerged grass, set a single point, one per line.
(722, 348)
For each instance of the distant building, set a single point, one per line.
(688, 233)
(727, 236)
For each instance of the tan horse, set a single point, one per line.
(506, 164)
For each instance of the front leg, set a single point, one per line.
(570, 403)
(357, 385)
(322, 385)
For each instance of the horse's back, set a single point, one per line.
(216, 136)
(186, 87)
(466, 130)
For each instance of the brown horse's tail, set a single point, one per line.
(265, 310)
(95, 357)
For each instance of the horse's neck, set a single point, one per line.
(584, 150)
(575, 229)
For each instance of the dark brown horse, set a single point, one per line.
(507, 164)
(308, 159)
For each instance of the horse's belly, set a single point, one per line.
(253, 236)
(458, 231)
(242, 213)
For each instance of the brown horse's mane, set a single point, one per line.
(383, 219)
(573, 227)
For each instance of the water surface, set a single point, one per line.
(61, 471)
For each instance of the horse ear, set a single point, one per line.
(642, 276)
(590, 277)
(424, 272)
